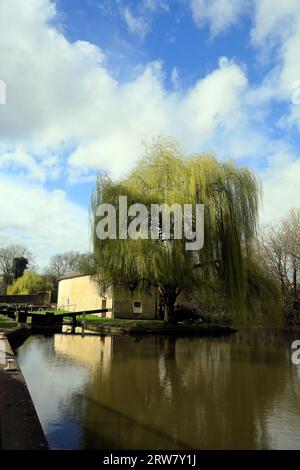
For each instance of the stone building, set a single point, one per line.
(77, 293)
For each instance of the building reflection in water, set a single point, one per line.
(92, 350)
(237, 392)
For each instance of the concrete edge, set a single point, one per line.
(20, 428)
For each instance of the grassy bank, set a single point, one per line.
(154, 327)
(55, 312)
(7, 323)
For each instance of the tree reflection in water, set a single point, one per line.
(227, 393)
(236, 392)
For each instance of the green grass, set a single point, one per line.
(120, 321)
(135, 326)
(7, 323)
(95, 319)
(43, 312)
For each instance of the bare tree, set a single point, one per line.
(68, 263)
(273, 245)
(291, 225)
(8, 255)
(280, 250)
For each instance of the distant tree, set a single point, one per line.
(68, 263)
(19, 265)
(280, 247)
(264, 301)
(280, 252)
(292, 229)
(58, 266)
(8, 255)
(86, 263)
(29, 283)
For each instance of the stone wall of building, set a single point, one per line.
(124, 299)
(81, 293)
(41, 299)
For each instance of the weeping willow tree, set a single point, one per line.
(263, 298)
(230, 195)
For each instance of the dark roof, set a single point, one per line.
(72, 275)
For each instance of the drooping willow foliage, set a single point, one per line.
(230, 195)
(263, 298)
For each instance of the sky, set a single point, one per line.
(88, 82)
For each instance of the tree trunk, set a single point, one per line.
(169, 300)
(295, 282)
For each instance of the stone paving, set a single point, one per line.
(20, 428)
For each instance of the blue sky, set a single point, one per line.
(88, 81)
(172, 38)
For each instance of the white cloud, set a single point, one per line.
(45, 220)
(138, 25)
(175, 78)
(67, 98)
(24, 164)
(139, 19)
(276, 35)
(142, 109)
(68, 113)
(212, 108)
(281, 185)
(276, 30)
(22, 161)
(273, 18)
(218, 14)
(155, 5)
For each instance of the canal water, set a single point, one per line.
(236, 392)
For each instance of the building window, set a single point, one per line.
(137, 307)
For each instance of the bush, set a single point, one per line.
(29, 283)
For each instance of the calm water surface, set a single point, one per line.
(237, 392)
